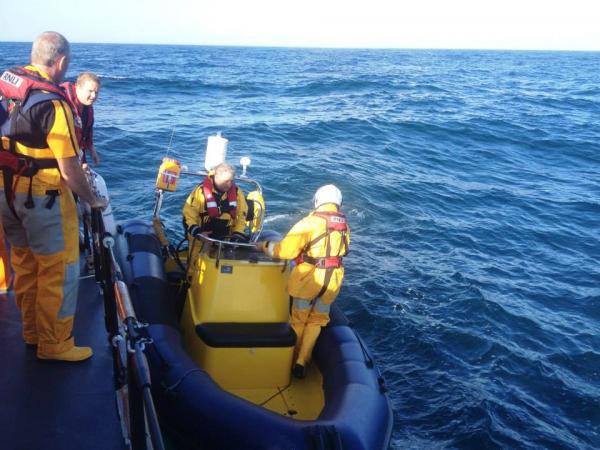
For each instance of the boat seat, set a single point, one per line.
(246, 335)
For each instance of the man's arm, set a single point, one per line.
(94, 155)
(74, 176)
(194, 205)
(64, 148)
(88, 137)
(239, 221)
(293, 242)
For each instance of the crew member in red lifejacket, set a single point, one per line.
(317, 243)
(82, 94)
(40, 171)
(217, 207)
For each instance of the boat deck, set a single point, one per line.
(301, 399)
(56, 405)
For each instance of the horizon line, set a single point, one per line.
(314, 47)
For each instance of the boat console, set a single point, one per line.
(236, 317)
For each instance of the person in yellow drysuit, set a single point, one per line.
(317, 243)
(37, 206)
(216, 207)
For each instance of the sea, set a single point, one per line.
(471, 180)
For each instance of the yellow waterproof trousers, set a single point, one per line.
(307, 319)
(44, 244)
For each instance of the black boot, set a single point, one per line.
(299, 371)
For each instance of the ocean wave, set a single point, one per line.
(471, 186)
(340, 86)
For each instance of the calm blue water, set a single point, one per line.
(472, 184)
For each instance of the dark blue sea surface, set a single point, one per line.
(472, 184)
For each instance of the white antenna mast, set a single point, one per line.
(170, 141)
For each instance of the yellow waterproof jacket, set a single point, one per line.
(306, 280)
(195, 213)
(48, 132)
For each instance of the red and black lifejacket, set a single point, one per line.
(19, 83)
(83, 130)
(214, 208)
(335, 223)
(20, 90)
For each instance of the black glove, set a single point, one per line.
(239, 238)
(194, 230)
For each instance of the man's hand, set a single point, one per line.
(99, 202)
(95, 156)
(75, 178)
(195, 231)
(239, 238)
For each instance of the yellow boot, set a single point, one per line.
(309, 338)
(72, 355)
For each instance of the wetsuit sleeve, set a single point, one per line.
(194, 206)
(91, 136)
(61, 135)
(294, 241)
(239, 225)
(87, 134)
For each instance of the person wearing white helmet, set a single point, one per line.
(318, 244)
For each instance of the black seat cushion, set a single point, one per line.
(244, 335)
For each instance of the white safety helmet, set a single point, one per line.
(327, 194)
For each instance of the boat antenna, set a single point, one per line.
(170, 141)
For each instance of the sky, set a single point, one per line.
(470, 24)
